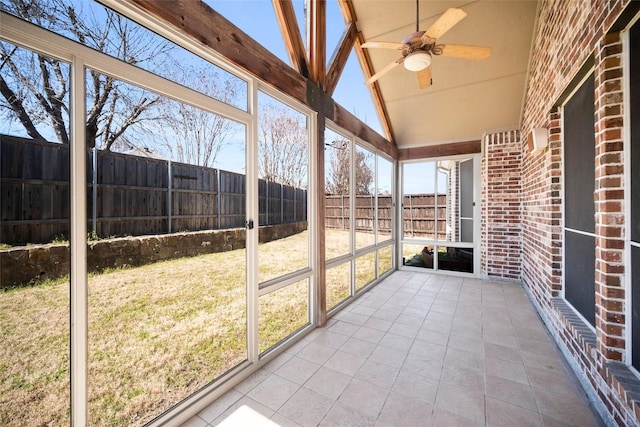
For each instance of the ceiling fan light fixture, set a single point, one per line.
(417, 61)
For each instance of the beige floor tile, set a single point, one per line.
(444, 418)
(316, 353)
(344, 328)
(218, 407)
(345, 362)
(510, 391)
(297, 370)
(401, 410)
(404, 329)
(306, 407)
(251, 381)
(418, 349)
(282, 421)
(358, 347)
(497, 351)
(466, 343)
(195, 422)
(378, 374)
(331, 339)
(464, 359)
(273, 392)
(341, 415)
(461, 401)
(501, 338)
(428, 349)
(514, 371)
(397, 342)
(351, 317)
(390, 315)
(502, 414)
(434, 337)
(245, 411)
(555, 381)
(329, 382)
(470, 379)
(368, 334)
(416, 386)
(426, 367)
(568, 408)
(379, 324)
(364, 397)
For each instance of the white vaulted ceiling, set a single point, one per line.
(467, 97)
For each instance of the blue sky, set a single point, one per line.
(258, 20)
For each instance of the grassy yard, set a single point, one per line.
(157, 334)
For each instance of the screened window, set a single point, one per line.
(579, 206)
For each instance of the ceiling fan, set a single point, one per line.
(419, 47)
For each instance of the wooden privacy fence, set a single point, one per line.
(419, 214)
(126, 195)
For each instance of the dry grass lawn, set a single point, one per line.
(157, 333)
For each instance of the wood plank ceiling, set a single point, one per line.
(466, 99)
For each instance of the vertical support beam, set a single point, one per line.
(317, 27)
(78, 248)
(324, 106)
(321, 296)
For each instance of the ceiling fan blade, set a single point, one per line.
(424, 78)
(383, 45)
(450, 18)
(466, 51)
(385, 70)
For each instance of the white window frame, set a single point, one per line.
(476, 158)
(628, 243)
(21, 33)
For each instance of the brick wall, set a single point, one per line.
(569, 33)
(501, 205)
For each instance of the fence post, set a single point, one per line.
(266, 203)
(281, 204)
(373, 213)
(169, 194)
(218, 197)
(411, 215)
(295, 204)
(94, 189)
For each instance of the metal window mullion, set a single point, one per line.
(252, 184)
(78, 247)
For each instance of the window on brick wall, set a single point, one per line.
(634, 223)
(579, 206)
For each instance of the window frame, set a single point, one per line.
(589, 73)
(629, 243)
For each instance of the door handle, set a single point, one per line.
(249, 224)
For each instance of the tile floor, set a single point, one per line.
(417, 350)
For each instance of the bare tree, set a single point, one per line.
(364, 172)
(340, 171)
(282, 146)
(35, 88)
(198, 136)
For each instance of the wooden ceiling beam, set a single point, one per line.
(317, 42)
(208, 28)
(349, 14)
(440, 150)
(340, 57)
(291, 35)
(343, 118)
(211, 30)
